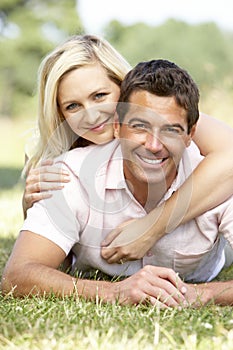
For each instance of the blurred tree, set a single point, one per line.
(31, 28)
(28, 30)
(204, 50)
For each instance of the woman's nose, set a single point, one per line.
(91, 115)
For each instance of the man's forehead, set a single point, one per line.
(154, 108)
(139, 111)
(135, 112)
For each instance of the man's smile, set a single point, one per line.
(152, 161)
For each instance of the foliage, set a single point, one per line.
(203, 49)
(28, 30)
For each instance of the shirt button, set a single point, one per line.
(149, 253)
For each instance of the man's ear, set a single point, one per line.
(190, 135)
(116, 126)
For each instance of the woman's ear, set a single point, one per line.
(116, 126)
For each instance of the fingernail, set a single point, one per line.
(183, 290)
(66, 178)
(103, 243)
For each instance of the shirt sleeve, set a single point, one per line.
(61, 217)
(226, 221)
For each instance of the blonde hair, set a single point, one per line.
(55, 135)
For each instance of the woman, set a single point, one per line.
(85, 74)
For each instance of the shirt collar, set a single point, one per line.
(115, 176)
(113, 170)
(189, 161)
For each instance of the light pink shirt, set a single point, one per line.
(97, 199)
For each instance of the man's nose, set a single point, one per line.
(153, 142)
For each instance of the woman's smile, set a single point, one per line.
(100, 126)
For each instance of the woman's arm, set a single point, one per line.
(210, 184)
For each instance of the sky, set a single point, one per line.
(95, 14)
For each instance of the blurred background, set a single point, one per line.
(198, 35)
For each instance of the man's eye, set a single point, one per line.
(171, 130)
(139, 126)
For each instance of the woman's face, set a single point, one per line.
(87, 98)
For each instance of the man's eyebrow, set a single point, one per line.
(138, 119)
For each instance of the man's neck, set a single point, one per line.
(148, 195)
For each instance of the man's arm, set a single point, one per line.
(220, 293)
(32, 269)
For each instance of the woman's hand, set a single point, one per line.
(130, 240)
(40, 181)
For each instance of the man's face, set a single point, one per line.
(153, 137)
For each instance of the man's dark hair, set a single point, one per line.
(161, 78)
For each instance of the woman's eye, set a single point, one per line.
(100, 95)
(72, 106)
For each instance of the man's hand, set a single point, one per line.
(159, 286)
(32, 268)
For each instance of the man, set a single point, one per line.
(124, 179)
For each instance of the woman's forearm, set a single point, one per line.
(202, 191)
(211, 182)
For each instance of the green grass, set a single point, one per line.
(69, 323)
(39, 323)
(51, 323)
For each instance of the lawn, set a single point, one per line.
(51, 323)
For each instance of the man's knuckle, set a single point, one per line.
(124, 252)
(143, 273)
(171, 272)
(134, 293)
(147, 268)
